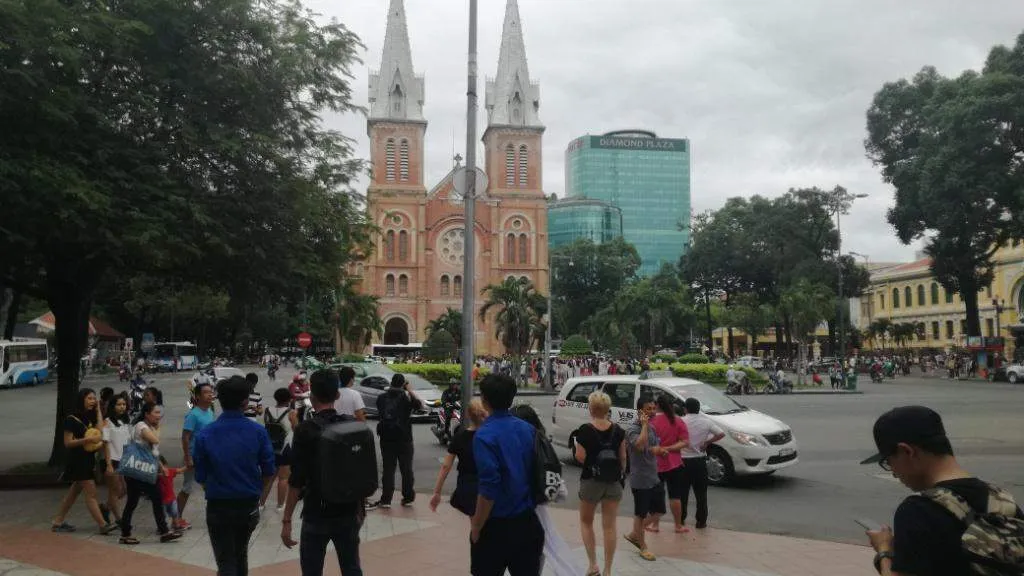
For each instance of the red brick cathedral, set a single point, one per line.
(417, 267)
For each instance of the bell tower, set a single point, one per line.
(396, 125)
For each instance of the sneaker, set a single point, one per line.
(169, 537)
(384, 505)
(407, 503)
(371, 506)
(181, 525)
(63, 528)
(280, 509)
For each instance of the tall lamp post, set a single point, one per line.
(839, 200)
(548, 365)
(469, 237)
(871, 300)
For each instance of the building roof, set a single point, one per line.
(396, 81)
(512, 99)
(576, 202)
(901, 270)
(97, 327)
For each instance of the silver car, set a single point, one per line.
(372, 386)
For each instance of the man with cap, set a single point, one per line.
(925, 539)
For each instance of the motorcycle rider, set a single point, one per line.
(449, 400)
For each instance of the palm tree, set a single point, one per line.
(881, 329)
(520, 312)
(357, 316)
(450, 322)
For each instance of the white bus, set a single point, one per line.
(23, 362)
(165, 353)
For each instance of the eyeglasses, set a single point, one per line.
(885, 465)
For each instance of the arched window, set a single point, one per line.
(389, 285)
(389, 160)
(524, 249)
(510, 249)
(524, 279)
(895, 298)
(908, 295)
(949, 298)
(935, 294)
(881, 300)
(389, 246)
(403, 161)
(920, 295)
(403, 285)
(446, 285)
(510, 166)
(523, 165)
(458, 286)
(403, 246)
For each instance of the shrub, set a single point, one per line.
(694, 359)
(575, 345)
(713, 374)
(667, 358)
(440, 346)
(436, 373)
(352, 358)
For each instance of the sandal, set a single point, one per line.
(594, 573)
(652, 529)
(647, 555)
(128, 540)
(633, 541)
(62, 528)
(110, 527)
(682, 529)
(169, 537)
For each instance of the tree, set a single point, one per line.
(751, 316)
(519, 310)
(586, 276)
(179, 137)
(450, 322)
(951, 147)
(575, 345)
(357, 316)
(880, 329)
(440, 346)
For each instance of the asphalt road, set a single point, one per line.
(817, 498)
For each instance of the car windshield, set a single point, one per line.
(711, 400)
(419, 383)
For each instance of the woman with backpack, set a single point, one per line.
(281, 421)
(600, 448)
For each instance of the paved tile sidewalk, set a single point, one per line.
(398, 541)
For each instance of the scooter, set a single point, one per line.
(124, 374)
(741, 386)
(776, 385)
(876, 376)
(443, 433)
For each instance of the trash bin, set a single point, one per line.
(851, 381)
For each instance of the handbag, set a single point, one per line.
(139, 463)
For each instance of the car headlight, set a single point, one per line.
(748, 439)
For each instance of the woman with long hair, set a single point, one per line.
(461, 448)
(146, 432)
(83, 436)
(117, 431)
(672, 433)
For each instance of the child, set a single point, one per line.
(167, 495)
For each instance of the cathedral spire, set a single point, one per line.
(512, 100)
(395, 91)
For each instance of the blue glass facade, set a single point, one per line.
(573, 219)
(647, 178)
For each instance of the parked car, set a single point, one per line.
(375, 384)
(750, 362)
(754, 443)
(1012, 373)
(364, 369)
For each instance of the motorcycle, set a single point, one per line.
(124, 374)
(876, 376)
(443, 433)
(740, 387)
(777, 385)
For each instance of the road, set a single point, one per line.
(817, 498)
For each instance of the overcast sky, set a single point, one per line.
(771, 95)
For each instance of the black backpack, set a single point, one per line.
(606, 466)
(348, 461)
(278, 433)
(547, 484)
(390, 426)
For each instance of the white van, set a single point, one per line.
(754, 443)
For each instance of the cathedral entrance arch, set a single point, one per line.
(396, 331)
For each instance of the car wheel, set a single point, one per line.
(720, 470)
(1012, 377)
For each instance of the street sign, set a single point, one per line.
(129, 343)
(305, 340)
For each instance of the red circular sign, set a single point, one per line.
(305, 339)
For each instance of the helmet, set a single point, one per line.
(453, 381)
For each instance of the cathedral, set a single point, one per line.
(417, 266)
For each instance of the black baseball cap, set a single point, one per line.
(915, 425)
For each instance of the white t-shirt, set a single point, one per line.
(275, 412)
(116, 436)
(349, 402)
(137, 437)
(700, 428)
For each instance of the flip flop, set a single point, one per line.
(129, 540)
(594, 573)
(647, 555)
(633, 541)
(682, 529)
(653, 529)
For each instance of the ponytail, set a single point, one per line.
(665, 405)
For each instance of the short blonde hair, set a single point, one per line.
(476, 413)
(600, 404)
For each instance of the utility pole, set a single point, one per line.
(469, 242)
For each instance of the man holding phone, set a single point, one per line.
(928, 534)
(395, 408)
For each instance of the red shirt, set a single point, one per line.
(166, 484)
(668, 434)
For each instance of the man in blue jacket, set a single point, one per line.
(234, 461)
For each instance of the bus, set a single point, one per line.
(23, 362)
(396, 351)
(165, 353)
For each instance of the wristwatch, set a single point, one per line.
(879, 557)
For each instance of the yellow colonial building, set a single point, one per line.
(907, 292)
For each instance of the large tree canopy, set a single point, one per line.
(586, 276)
(181, 139)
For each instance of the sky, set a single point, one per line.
(772, 95)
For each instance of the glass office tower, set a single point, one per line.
(647, 178)
(572, 219)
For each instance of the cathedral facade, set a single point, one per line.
(417, 267)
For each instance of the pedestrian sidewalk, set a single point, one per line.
(396, 541)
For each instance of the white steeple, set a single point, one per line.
(512, 100)
(395, 91)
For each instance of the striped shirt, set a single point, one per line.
(255, 403)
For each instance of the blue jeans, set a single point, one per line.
(316, 533)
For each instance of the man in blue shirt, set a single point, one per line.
(199, 417)
(506, 533)
(234, 461)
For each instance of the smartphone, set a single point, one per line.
(868, 524)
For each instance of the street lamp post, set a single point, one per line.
(840, 200)
(548, 365)
(469, 236)
(1000, 306)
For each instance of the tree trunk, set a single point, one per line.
(70, 304)
(711, 328)
(10, 301)
(969, 290)
(778, 339)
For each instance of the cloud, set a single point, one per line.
(772, 95)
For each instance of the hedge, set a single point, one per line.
(713, 374)
(435, 373)
(694, 359)
(667, 358)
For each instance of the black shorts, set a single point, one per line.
(284, 458)
(674, 480)
(649, 501)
